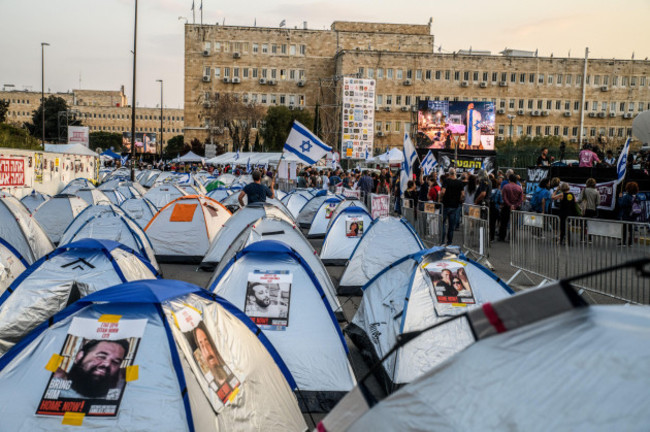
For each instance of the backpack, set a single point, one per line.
(635, 208)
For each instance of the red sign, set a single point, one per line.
(12, 172)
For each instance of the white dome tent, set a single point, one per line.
(219, 193)
(415, 292)
(272, 228)
(55, 214)
(22, 231)
(141, 210)
(75, 184)
(34, 199)
(183, 230)
(90, 212)
(241, 220)
(321, 219)
(274, 286)
(307, 213)
(12, 264)
(114, 196)
(539, 360)
(61, 277)
(163, 194)
(295, 202)
(343, 235)
(173, 393)
(92, 196)
(386, 240)
(347, 202)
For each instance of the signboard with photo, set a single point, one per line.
(379, 205)
(329, 210)
(357, 117)
(353, 227)
(215, 377)
(91, 372)
(450, 282)
(145, 142)
(268, 297)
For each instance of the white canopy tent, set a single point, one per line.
(394, 156)
(255, 158)
(190, 156)
(77, 149)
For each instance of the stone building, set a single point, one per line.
(301, 68)
(100, 110)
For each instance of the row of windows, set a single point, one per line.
(264, 98)
(566, 131)
(128, 129)
(512, 77)
(128, 116)
(18, 101)
(254, 48)
(255, 73)
(392, 127)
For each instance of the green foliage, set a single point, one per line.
(277, 125)
(13, 137)
(175, 146)
(105, 140)
(53, 106)
(197, 147)
(4, 109)
(524, 152)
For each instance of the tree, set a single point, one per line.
(197, 147)
(53, 106)
(256, 146)
(13, 137)
(174, 147)
(277, 125)
(105, 140)
(4, 109)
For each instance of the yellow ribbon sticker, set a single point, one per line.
(73, 419)
(107, 318)
(54, 363)
(132, 373)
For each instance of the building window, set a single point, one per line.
(292, 74)
(615, 80)
(380, 100)
(265, 48)
(284, 48)
(501, 129)
(511, 104)
(578, 80)
(466, 76)
(456, 75)
(625, 81)
(256, 48)
(447, 75)
(217, 72)
(513, 77)
(389, 99)
(522, 78)
(502, 103)
(389, 74)
(245, 72)
(254, 73)
(371, 73)
(361, 72)
(235, 72)
(274, 49)
(549, 104)
(547, 130)
(550, 79)
(596, 80)
(485, 76)
(539, 103)
(264, 73)
(540, 79)
(427, 75)
(495, 76)
(569, 78)
(418, 74)
(206, 71)
(531, 78)
(530, 103)
(292, 50)
(274, 73)
(380, 73)
(398, 100)
(303, 49)
(521, 104)
(407, 100)
(576, 105)
(475, 76)
(399, 74)
(301, 74)
(621, 107)
(529, 130)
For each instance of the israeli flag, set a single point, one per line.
(428, 164)
(410, 156)
(248, 166)
(237, 155)
(304, 144)
(123, 159)
(621, 164)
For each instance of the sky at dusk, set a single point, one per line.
(91, 40)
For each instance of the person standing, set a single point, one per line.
(587, 157)
(513, 197)
(590, 199)
(451, 196)
(567, 207)
(256, 192)
(542, 160)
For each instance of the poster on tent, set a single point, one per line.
(450, 283)
(329, 210)
(353, 227)
(268, 298)
(216, 378)
(357, 117)
(92, 370)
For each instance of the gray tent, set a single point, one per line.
(22, 231)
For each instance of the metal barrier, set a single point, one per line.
(408, 211)
(595, 243)
(476, 232)
(429, 224)
(534, 245)
(285, 185)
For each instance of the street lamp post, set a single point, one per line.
(43, 45)
(511, 117)
(135, 40)
(161, 117)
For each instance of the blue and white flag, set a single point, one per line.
(410, 156)
(621, 164)
(473, 127)
(304, 144)
(367, 154)
(237, 155)
(428, 164)
(123, 159)
(248, 166)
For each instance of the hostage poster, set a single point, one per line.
(450, 283)
(353, 227)
(466, 163)
(268, 297)
(91, 372)
(329, 210)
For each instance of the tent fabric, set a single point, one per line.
(141, 210)
(394, 156)
(149, 179)
(186, 240)
(171, 392)
(22, 231)
(272, 228)
(295, 202)
(12, 264)
(308, 338)
(61, 277)
(78, 149)
(547, 378)
(89, 213)
(403, 298)
(55, 214)
(241, 220)
(339, 241)
(309, 210)
(348, 202)
(115, 196)
(75, 184)
(321, 219)
(115, 227)
(219, 193)
(190, 156)
(162, 195)
(34, 199)
(92, 196)
(386, 240)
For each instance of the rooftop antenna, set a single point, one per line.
(193, 13)
(201, 9)
(283, 23)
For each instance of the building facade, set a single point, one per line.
(100, 110)
(302, 68)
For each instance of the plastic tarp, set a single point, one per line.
(239, 221)
(11, 265)
(584, 369)
(272, 228)
(70, 273)
(162, 195)
(311, 340)
(187, 239)
(384, 242)
(321, 219)
(342, 236)
(141, 210)
(33, 200)
(403, 299)
(55, 214)
(22, 231)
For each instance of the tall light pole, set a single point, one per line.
(511, 117)
(43, 45)
(161, 116)
(135, 40)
